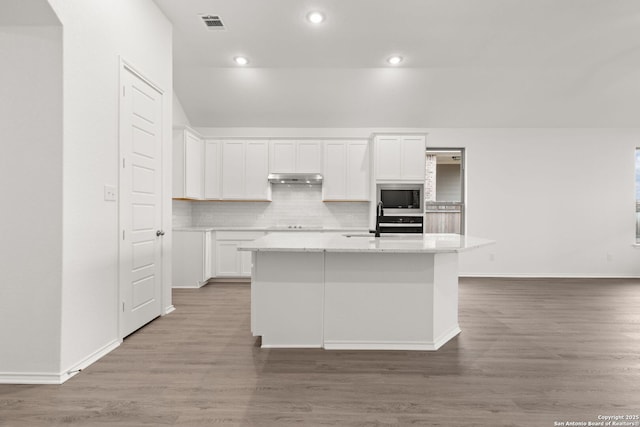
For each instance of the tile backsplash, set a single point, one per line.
(182, 213)
(291, 205)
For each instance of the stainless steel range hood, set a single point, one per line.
(295, 178)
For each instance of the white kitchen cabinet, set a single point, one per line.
(188, 165)
(257, 185)
(282, 156)
(229, 261)
(334, 183)
(346, 170)
(413, 157)
(245, 168)
(245, 263)
(291, 156)
(233, 169)
(192, 257)
(227, 258)
(212, 169)
(399, 157)
(309, 157)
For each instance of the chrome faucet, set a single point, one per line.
(379, 213)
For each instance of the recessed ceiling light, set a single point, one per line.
(315, 17)
(394, 60)
(241, 60)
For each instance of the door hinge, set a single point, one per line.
(123, 306)
(122, 234)
(124, 90)
(123, 162)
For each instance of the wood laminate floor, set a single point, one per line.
(532, 353)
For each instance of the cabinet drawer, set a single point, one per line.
(239, 235)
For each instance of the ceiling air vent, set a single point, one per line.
(213, 22)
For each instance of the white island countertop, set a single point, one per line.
(345, 242)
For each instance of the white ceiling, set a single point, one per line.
(468, 63)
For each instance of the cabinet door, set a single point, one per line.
(189, 267)
(193, 167)
(309, 157)
(212, 254)
(233, 166)
(178, 164)
(413, 157)
(206, 255)
(257, 171)
(334, 186)
(212, 157)
(357, 170)
(282, 156)
(388, 157)
(245, 263)
(227, 259)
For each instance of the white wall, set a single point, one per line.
(97, 34)
(31, 215)
(179, 116)
(559, 202)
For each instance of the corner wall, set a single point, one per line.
(31, 182)
(97, 34)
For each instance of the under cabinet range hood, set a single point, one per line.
(295, 178)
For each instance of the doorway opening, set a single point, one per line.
(444, 191)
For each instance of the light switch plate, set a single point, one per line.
(110, 194)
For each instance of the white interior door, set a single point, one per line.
(140, 202)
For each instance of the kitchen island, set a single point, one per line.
(342, 291)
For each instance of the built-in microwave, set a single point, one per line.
(401, 199)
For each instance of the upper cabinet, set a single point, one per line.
(188, 165)
(289, 156)
(257, 185)
(282, 156)
(245, 168)
(346, 170)
(212, 167)
(399, 157)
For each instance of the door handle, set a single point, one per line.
(159, 233)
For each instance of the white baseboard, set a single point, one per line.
(377, 345)
(382, 345)
(289, 346)
(30, 378)
(96, 355)
(542, 276)
(246, 280)
(169, 309)
(56, 378)
(444, 338)
(188, 286)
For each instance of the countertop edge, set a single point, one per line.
(353, 250)
(284, 230)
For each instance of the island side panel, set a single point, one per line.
(287, 298)
(379, 301)
(445, 296)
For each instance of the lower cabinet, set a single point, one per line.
(227, 258)
(192, 255)
(229, 261)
